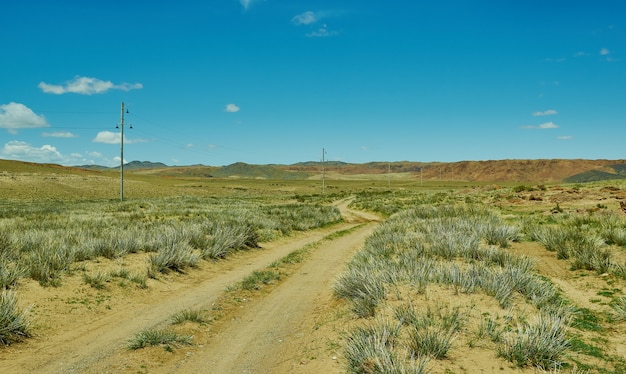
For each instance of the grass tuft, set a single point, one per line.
(14, 325)
(158, 337)
(191, 315)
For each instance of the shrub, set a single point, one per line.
(173, 256)
(432, 341)
(369, 349)
(45, 264)
(539, 342)
(14, 325)
(10, 273)
(363, 288)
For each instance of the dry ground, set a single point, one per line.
(293, 326)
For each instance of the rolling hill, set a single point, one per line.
(535, 171)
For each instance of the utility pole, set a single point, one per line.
(323, 181)
(122, 152)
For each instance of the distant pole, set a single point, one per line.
(122, 154)
(323, 181)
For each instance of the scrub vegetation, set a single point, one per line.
(50, 240)
(523, 277)
(416, 283)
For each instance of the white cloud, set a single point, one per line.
(248, 3)
(547, 125)
(565, 137)
(305, 18)
(108, 137)
(322, 32)
(212, 146)
(59, 134)
(87, 86)
(23, 151)
(604, 52)
(18, 150)
(549, 112)
(14, 116)
(232, 108)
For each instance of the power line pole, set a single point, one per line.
(323, 181)
(122, 152)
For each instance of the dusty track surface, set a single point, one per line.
(270, 335)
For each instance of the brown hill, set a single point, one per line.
(536, 171)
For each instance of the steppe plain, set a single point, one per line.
(294, 320)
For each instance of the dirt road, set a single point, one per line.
(269, 336)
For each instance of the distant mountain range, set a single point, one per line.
(539, 171)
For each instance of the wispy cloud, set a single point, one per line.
(246, 4)
(15, 116)
(322, 32)
(305, 18)
(232, 108)
(549, 112)
(108, 137)
(87, 86)
(309, 18)
(565, 137)
(604, 52)
(543, 126)
(59, 134)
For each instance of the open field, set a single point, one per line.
(254, 275)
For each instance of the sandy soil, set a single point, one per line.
(271, 334)
(295, 326)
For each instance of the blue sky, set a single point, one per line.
(275, 81)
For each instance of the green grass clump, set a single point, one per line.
(176, 256)
(191, 315)
(619, 307)
(540, 342)
(14, 325)
(158, 337)
(97, 281)
(258, 278)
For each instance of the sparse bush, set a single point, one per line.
(176, 256)
(45, 264)
(363, 288)
(539, 342)
(10, 273)
(431, 341)
(14, 325)
(369, 349)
